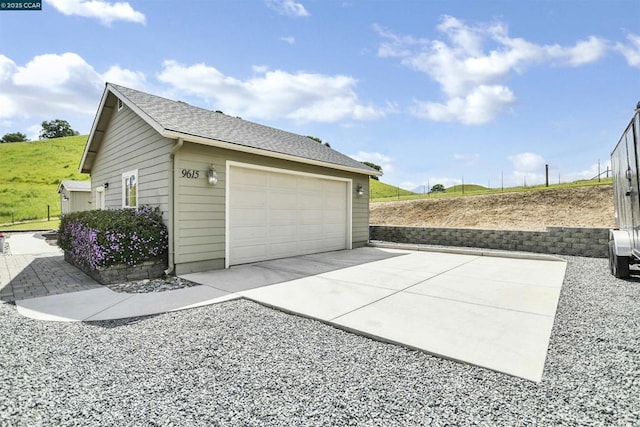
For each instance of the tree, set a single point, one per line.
(318, 140)
(438, 188)
(56, 129)
(374, 166)
(14, 137)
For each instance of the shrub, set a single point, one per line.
(102, 238)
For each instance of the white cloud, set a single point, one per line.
(288, 8)
(472, 64)
(105, 12)
(260, 69)
(121, 76)
(480, 106)
(273, 94)
(48, 85)
(584, 52)
(527, 162)
(289, 40)
(385, 162)
(630, 51)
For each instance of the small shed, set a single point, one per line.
(231, 191)
(75, 196)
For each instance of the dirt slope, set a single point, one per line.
(532, 210)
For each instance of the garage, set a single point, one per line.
(275, 213)
(230, 191)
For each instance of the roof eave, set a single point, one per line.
(89, 143)
(94, 128)
(236, 147)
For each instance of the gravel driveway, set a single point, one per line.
(239, 363)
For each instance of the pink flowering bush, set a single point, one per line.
(102, 238)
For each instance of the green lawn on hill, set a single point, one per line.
(381, 192)
(30, 173)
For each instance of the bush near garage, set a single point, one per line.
(105, 238)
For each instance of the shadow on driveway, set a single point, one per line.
(27, 276)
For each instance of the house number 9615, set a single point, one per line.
(190, 173)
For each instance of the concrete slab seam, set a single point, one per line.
(403, 290)
(109, 307)
(480, 305)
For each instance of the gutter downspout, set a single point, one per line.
(172, 206)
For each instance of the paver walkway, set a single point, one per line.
(30, 268)
(27, 276)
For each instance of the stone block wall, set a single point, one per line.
(586, 242)
(152, 269)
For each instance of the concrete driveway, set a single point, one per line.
(487, 310)
(494, 310)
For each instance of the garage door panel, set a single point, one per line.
(283, 200)
(308, 216)
(312, 202)
(283, 216)
(281, 250)
(310, 185)
(252, 197)
(282, 181)
(245, 217)
(249, 234)
(336, 229)
(252, 178)
(333, 216)
(282, 233)
(310, 231)
(296, 215)
(243, 254)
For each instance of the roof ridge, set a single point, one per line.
(201, 122)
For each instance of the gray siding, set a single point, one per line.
(200, 211)
(130, 143)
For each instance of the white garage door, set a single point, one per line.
(276, 215)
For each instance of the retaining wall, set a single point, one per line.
(586, 242)
(152, 269)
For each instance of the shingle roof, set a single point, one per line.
(186, 119)
(75, 185)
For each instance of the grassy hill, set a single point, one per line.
(389, 193)
(30, 173)
(380, 190)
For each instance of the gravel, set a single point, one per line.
(170, 283)
(238, 363)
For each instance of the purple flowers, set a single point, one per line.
(104, 238)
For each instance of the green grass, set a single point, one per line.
(472, 190)
(30, 173)
(54, 224)
(380, 190)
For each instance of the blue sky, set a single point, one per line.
(433, 91)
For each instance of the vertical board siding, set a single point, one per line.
(130, 143)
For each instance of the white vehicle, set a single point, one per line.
(624, 240)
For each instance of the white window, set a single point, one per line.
(130, 189)
(100, 197)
